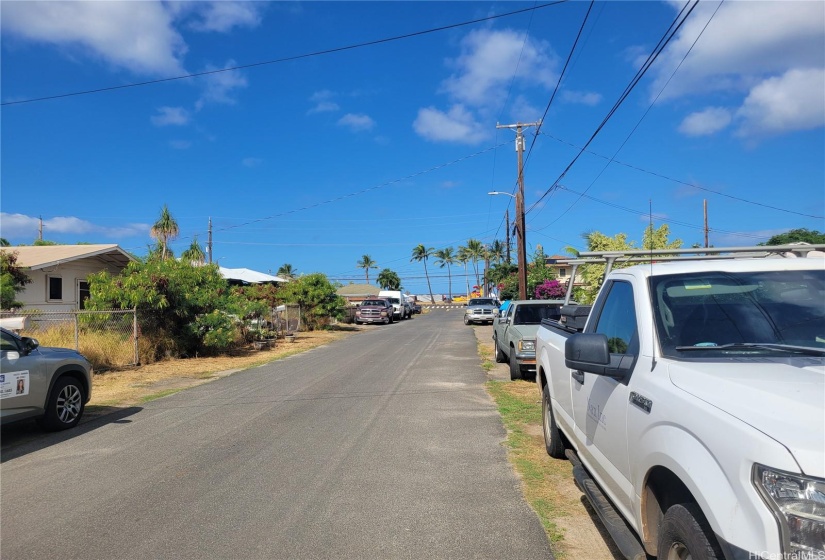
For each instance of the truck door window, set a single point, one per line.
(617, 319)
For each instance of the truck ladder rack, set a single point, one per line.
(641, 256)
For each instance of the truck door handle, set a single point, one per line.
(578, 376)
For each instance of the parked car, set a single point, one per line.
(397, 300)
(416, 308)
(374, 310)
(51, 385)
(514, 334)
(481, 310)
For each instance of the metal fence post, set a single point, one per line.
(135, 335)
(76, 332)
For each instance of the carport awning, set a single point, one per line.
(248, 276)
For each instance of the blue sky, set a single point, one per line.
(371, 127)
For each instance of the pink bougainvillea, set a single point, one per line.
(550, 289)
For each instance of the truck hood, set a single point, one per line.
(783, 398)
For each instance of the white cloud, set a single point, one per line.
(21, 226)
(581, 97)
(705, 122)
(138, 36)
(251, 162)
(356, 122)
(224, 15)
(732, 56)
(171, 116)
(220, 86)
(323, 102)
(324, 107)
(490, 60)
(457, 125)
(765, 56)
(492, 64)
(793, 101)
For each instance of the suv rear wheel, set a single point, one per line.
(65, 405)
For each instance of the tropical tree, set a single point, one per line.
(593, 274)
(795, 236)
(165, 230)
(419, 254)
(366, 263)
(287, 272)
(389, 280)
(183, 310)
(446, 257)
(316, 297)
(497, 251)
(12, 280)
(476, 251)
(463, 256)
(194, 254)
(4, 242)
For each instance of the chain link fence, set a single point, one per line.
(108, 339)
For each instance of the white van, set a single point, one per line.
(400, 311)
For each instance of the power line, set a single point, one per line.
(684, 183)
(674, 27)
(285, 59)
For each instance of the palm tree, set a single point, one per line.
(4, 242)
(194, 254)
(421, 253)
(475, 250)
(497, 251)
(463, 256)
(165, 230)
(286, 271)
(389, 280)
(446, 257)
(366, 263)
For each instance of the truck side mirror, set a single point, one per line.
(589, 352)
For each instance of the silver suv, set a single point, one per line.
(481, 310)
(52, 385)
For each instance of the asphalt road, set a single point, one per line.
(381, 445)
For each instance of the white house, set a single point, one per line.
(58, 273)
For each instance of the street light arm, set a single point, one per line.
(502, 192)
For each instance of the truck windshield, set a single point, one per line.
(745, 312)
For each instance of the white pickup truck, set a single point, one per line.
(692, 403)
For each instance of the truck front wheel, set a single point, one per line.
(685, 533)
(515, 369)
(553, 441)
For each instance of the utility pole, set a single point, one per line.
(40, 229)
(209, 240)
(507, 220)
(520, 223)
(705, 205)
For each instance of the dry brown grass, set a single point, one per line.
(132, 386)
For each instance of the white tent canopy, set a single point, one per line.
(249, 276)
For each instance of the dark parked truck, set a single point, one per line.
(692, 405)
(375, 310)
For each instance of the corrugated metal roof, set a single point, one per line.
(45, 256)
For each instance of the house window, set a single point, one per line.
(82, 294)
(55, 288)
(562, 272)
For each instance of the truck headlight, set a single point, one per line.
(527, 345)
(798, 503)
